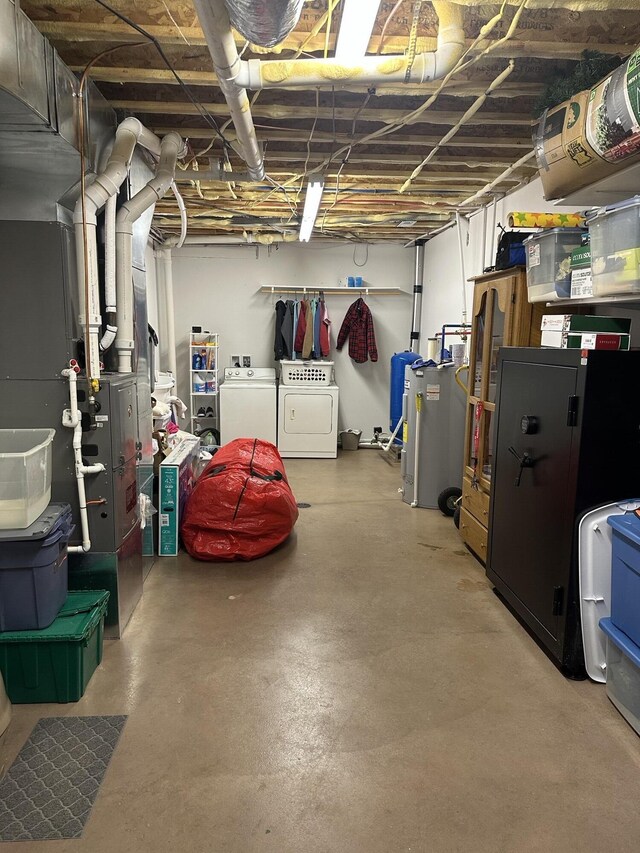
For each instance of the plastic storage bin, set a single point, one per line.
(625, 574)
(25, 475)
(615, 249)
(623, 673)
(56, 663)
(33, 570)
(548, 257)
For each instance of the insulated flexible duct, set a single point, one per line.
(264, 22)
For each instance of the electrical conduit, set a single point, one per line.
(170, 149)
(72, 420)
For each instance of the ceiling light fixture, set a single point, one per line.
(312, 200)
(356, 26)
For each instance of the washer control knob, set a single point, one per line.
(249, 372)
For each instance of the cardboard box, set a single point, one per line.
(177, 478)
(585, 138)
(566, 161)
(585, 323)
(584, 340)
(581, 278)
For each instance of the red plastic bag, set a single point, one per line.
(242, 506)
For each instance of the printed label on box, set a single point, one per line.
(581, 284)
(164, 519)
(534, 255)
(433, 392)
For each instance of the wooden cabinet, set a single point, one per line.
(502, 316)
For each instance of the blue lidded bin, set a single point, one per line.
(33, 570)
(625, 574)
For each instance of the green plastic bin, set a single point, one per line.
(56, 663)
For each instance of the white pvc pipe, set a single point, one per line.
(167, 275)
(183, 215)
(258, 74)
(129, 133)
(110, 254)
(72, 420)
(109, 335)
(461, 242)
(214, 20)
(170, 148)
(416, 457)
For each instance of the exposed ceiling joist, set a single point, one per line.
(160, 76)
(77, 31)
(299, 113)
(289, 136)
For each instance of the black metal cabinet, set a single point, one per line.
(567, 437)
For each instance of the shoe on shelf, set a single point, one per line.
(201, 413)
(209, 412)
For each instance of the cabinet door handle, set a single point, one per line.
(293, 414)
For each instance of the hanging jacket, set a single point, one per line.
(358, 327)
(316, 329)
(288, 328)
(301, 328)
(279, 342)
(325, 323)
(307, 346)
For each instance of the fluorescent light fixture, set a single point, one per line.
(356, 26)
(315, 189)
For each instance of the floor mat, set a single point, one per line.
(50, 788)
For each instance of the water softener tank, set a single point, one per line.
(399, 361)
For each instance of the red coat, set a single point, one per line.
(358, 327)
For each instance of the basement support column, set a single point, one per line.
(417, 296)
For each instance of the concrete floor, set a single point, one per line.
(362, 690)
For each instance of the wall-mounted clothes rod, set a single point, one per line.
(345, 291)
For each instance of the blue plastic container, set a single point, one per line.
(398, 363)
(625, 574)
(33, 570)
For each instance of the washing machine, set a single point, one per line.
(307, 411)
(248, 403)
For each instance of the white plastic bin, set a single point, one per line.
(615, 250)
(549, 263)
(623, 673)
(302, 372)
(25, 475)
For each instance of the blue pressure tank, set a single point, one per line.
(399, 361)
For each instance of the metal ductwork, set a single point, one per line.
(264, 22)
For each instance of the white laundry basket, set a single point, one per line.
(306, 372)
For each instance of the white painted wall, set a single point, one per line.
(443, 290)
(217, 287)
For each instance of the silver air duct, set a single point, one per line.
(264, 22)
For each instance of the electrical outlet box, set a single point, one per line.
(246, 361)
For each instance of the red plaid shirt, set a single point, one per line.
(358, 327)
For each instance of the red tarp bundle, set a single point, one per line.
(242, 506)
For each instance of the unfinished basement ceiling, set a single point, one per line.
(303, 128)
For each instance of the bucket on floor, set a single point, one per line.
(350, 438)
